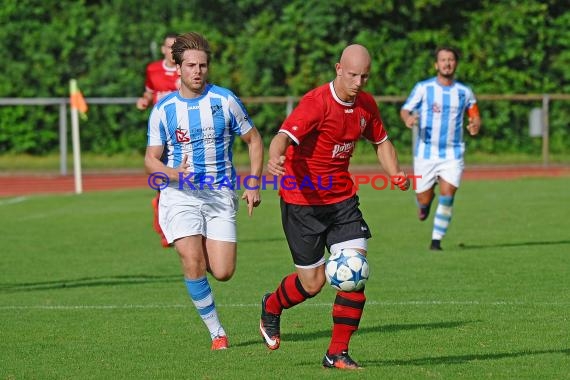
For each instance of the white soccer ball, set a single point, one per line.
(347, 270)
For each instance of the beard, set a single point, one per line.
(194, 86)
(447, 73)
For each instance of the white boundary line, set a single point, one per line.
(189, 305)
(10, 201)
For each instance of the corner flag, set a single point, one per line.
(76, 99)
(78, 107)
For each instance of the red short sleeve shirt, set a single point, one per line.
(161, 80)
(324, 130)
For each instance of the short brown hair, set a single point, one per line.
(449, 49)
(189, 41)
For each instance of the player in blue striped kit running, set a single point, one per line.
(437, 106)
(198, 124)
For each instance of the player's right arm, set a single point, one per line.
(147, 97)
(155, 146)
(407, 114)
(144, 101)
(410, 119)
(153, 164)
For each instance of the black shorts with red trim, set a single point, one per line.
(309, 229)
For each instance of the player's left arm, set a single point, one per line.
(474, 118)
(255, 147)
(388, 158)
(385, 150)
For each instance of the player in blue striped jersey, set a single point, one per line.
(437, 106)
(197, 210)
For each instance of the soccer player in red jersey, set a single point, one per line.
(319, 205)
(161, 76)
(161, 79)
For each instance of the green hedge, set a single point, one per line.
(279, 48)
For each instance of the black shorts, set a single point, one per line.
(309, 229)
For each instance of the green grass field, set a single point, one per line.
(87, 292)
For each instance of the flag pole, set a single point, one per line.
(75, 140)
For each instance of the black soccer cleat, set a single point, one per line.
(435, 245)
(269, 326)
(340, 361)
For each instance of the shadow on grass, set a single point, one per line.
(87, 282)
(461, 359)
(507, 245)
(297, 336)
(262, 240)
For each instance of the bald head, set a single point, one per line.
(352, 72)
(355, 54)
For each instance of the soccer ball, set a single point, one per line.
(347, 270)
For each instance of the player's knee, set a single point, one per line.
(224, 274)
(313, 286)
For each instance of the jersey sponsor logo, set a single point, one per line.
(436, 108)
(348, 110)
(340, 149)
(362, 123)
(182, 136)
(193, 107)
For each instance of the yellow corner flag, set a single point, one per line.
(76, 99)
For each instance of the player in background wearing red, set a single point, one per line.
(438, 106)
(314, 146)
(161, 76)
(161, 79)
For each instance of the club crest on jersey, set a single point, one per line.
(216, 109)
(362, 123)
(182, 136)
(340, 150)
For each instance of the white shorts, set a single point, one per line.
(210, 213)
(431, 170)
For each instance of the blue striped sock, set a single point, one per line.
(442, 217)
(202, 297)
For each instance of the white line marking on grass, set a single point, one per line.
(11, 201)
(371, 303)
(90, 307)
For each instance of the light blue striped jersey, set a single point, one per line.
(203, 128)
(441, 111)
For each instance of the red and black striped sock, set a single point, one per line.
(288, 294)
(346, 313)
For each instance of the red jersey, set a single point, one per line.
(324, 130)
(161, 80)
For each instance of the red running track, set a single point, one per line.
(20, 185)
